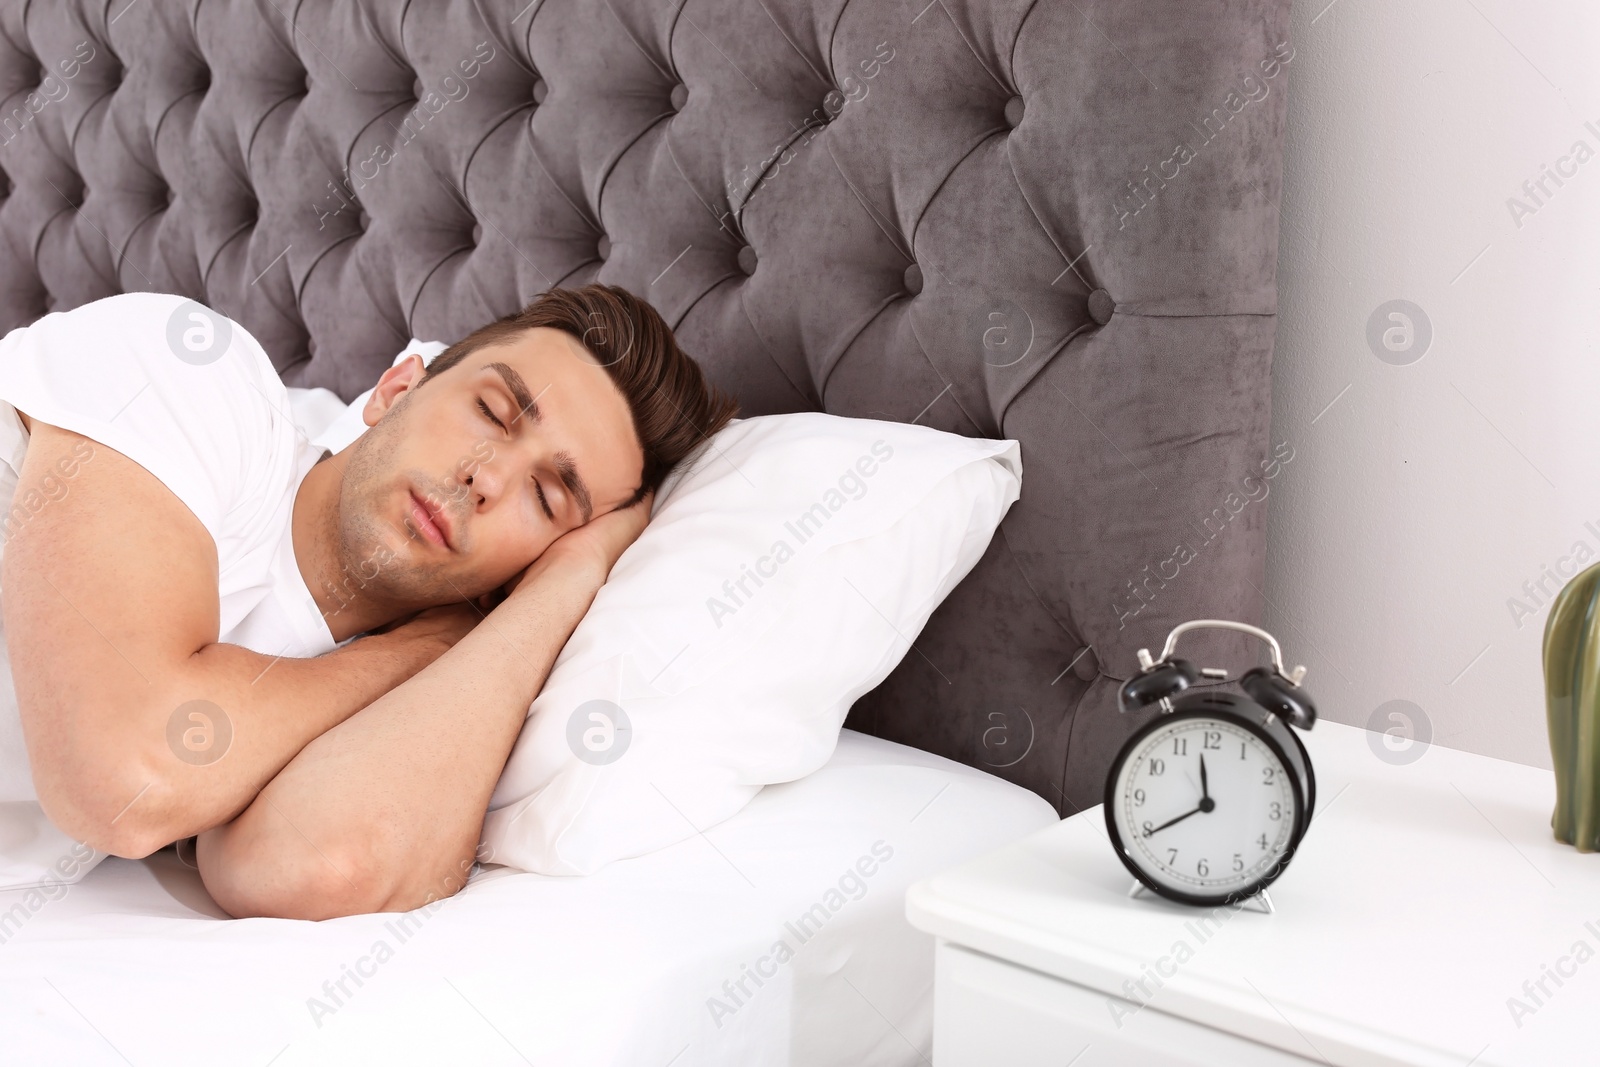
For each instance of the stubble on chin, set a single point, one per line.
(374, 540)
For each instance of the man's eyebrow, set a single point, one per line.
(570, 478)
(524, 399)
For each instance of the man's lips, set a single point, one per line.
(430, 524)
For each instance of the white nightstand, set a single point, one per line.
(1428, 918)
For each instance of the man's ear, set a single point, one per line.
(392, 385)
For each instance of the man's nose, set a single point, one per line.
(488, 478)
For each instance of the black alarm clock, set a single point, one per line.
(1206, 803)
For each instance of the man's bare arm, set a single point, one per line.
(111, 618)
(384, 811)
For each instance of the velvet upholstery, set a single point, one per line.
(1051, 220)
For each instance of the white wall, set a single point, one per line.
(1427, 494)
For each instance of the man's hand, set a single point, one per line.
(593, 547)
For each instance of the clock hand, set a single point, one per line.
(1169, 822)
(1205, 792)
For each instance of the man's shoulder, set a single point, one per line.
(174, 385)
(129, 309)
(132, 301)
(154, 336)
(172, 323)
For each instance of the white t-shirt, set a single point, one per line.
(191, 397)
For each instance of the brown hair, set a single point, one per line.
(674, 408)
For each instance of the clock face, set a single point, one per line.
(1204, 807)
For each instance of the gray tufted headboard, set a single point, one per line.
(1051, 220)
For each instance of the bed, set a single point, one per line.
(1051, 222)
(647, 962)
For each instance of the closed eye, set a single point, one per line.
(483, 407)
(537, 488)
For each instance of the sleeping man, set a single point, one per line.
(314, 665)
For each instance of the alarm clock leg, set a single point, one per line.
(1261, 901)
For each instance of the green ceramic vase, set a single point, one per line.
(1572, 705)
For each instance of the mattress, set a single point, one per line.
(775, 938)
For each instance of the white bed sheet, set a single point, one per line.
(135, 964)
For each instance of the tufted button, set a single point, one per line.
(305, 82)
(603, 247)
(1101, 306)
(417, 89)
(540, 91)
(1014, 112)
(202, 79)
(747, 260)
(832, 103)
(171, 194)
(1086, 667)
(477, 234)
(5, 185)
(680, 96)
(363, 220)
(913, 279)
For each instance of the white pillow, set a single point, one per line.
(785, 571)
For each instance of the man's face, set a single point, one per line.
(555, 447)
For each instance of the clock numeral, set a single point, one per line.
(1238, 860)
(1138, 798)
(1262, 842)
(1201, 869)
(1173, 858)
(1180, 746)
(1148, 827)
(1157, 767)
(1213, 739)
(1267, 775)
(1275, 812)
